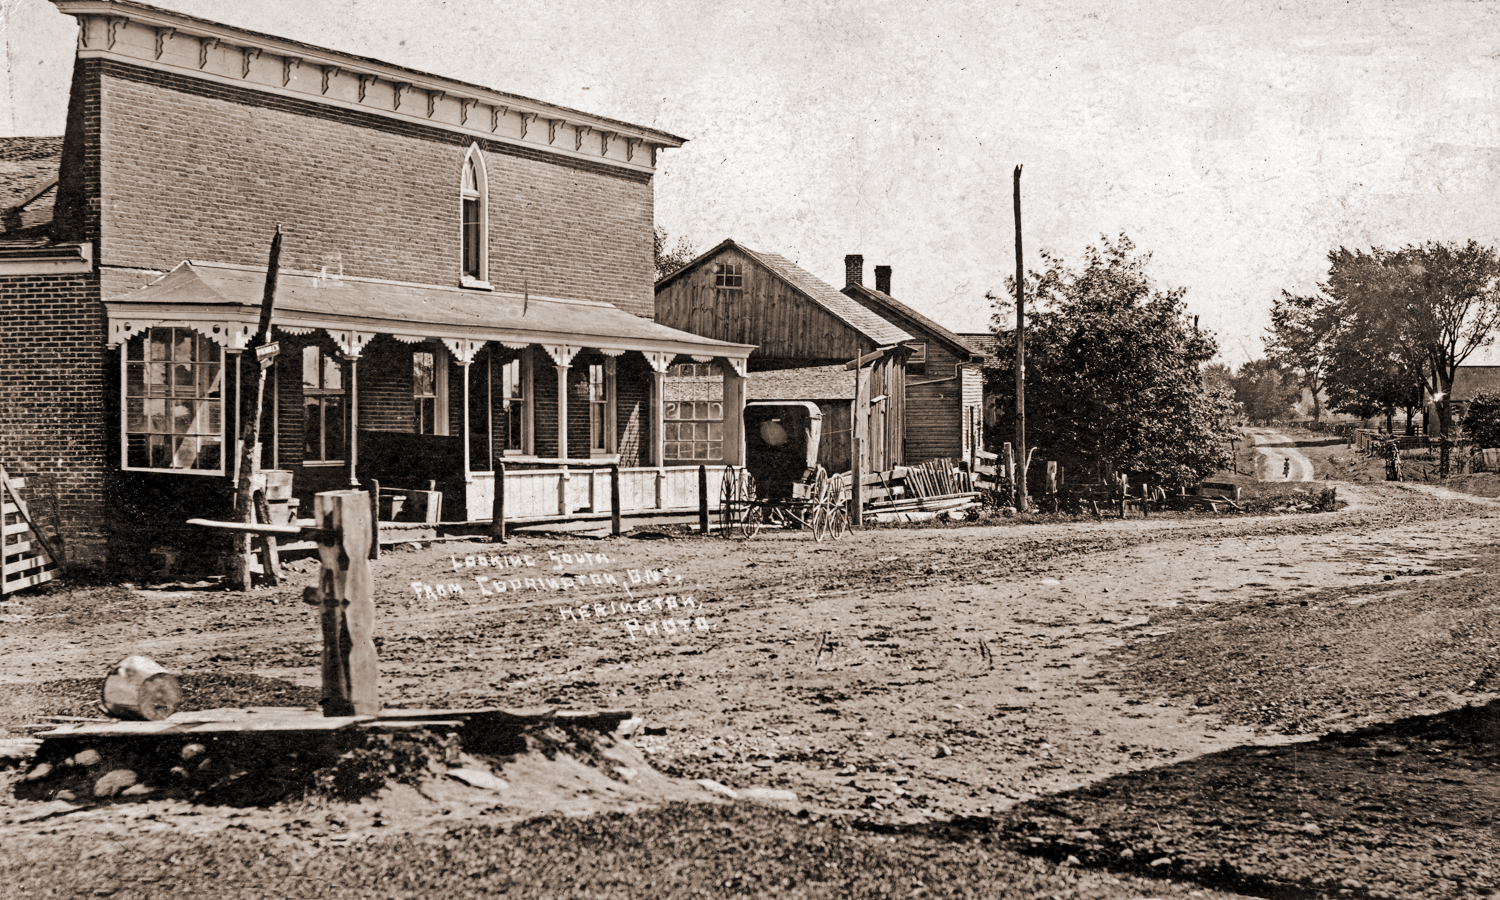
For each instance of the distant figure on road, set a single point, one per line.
(1286, 468)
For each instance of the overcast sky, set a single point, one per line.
(1236, 142)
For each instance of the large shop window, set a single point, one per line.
(693, 430)
(174, 408)
(323, 397)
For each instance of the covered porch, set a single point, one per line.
(417, 387)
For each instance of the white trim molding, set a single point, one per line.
(50, 259)
(152, 38)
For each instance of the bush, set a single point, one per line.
(1482, 420)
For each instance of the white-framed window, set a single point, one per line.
(693, 370)
(511, 382)
(916, 363)
(693, 430)
(325, 402)
(601, 407)
(429, 390)
(174, 407)
(474, 221)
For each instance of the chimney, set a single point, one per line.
(883, 279)
(854, 269)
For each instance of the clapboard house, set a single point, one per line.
(798, 323)
(465, 280)
(944, 373)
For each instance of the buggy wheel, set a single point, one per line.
(820, 487)
(820, 523)
(839, 527)
(750, 522)
(734, 498)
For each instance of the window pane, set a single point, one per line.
(312, 430)
(158, 380)
(423, 381)
(135, 348)
(214, 418)
(210, 453)
(333, 427)
(156, 414)
(669, 411)
(471, 238)
(715, 412)
(183, 382)
(208, 379)
(135, 416)
(716, 431)
(182, 345)
(183, 412)
(157, 448)
(716, 451)
(333, 373)
(185, 455)
(700, 450)
(161, 339)
(135, 380)
(310, 368)
(135, 451)
(471, 183)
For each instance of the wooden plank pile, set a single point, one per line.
(914, 492)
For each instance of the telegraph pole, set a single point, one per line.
(1021, 457)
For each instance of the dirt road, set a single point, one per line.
(1277, 457)
(906, 674)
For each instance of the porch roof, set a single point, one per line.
(223, 301)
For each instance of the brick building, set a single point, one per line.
(466, 276)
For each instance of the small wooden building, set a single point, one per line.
(944, 373)
(798, 323)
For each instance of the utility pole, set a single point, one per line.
(1021, 455)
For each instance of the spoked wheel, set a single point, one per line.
(839, 528)
(737, 502)
(820, 486)
(820, 523)
(750, 522)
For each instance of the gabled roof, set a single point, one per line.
(28, 175)
(872, 326)
(987, 343)
(888, 307)
(219, 291)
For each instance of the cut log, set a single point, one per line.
(138, 688)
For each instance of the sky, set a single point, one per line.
(1236, 142)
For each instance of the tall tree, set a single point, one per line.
(1437, 304)
(1266, 390)
(669, 260)
(1300, 337)
(1114, 379)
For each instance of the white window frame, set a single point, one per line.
(439, 387)
(145, 337)
(604, 408)
(480, 194)
(527, 401)
(323, 353)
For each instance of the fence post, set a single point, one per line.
(614, 500)
(497, 508)
(346, 593)
(703, 499)
(374, 484)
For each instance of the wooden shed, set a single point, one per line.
(944, 373)
(797, 322)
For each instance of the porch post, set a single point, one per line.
(468, 473)
(354, 421)
(734, 412)
(562, 356)
(659, 363)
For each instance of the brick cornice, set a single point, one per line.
(153, 38)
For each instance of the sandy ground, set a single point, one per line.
(904, 673)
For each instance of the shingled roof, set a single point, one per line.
(888, 307)
(844, 308)
(810, 383)
(28, 178)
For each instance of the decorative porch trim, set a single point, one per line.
(562, 354)
(463, 349)
(660, 362)
(230, 335)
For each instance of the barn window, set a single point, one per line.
(174, 408)
(729, 275)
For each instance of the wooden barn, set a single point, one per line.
(797, 322)
(944, 373)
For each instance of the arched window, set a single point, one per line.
(474, 218)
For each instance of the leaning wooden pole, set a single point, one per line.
(1021, 501)
(239, 567)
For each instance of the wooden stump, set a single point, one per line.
(138, 688)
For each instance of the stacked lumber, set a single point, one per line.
(26, 556)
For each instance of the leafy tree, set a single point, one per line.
(669, 260)
(1482, 420)
(1266, 390)
(1429, 305)
(1301, 337)
(1114, 372)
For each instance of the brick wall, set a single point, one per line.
(206, 171)
(385, 398)
(53, 398)
(633, 409)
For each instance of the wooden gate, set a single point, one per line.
(26, 559)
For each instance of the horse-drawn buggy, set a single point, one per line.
(782, 484)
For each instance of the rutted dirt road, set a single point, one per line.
(910, 675)
(1277, 457)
